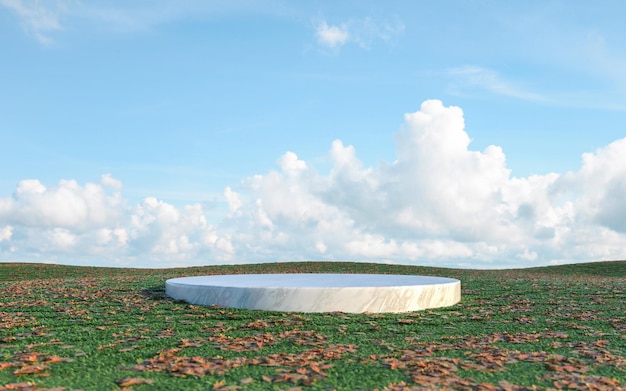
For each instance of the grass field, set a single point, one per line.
(68, 328)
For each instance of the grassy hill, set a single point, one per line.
(68, 327)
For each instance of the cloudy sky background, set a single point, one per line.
(480, 134)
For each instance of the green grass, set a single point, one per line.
(65, 327)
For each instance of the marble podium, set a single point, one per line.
(354, 293)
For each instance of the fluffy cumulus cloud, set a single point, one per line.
(93, 224)
(438, 203)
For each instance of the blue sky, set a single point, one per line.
(156, 133)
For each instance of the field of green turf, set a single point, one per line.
(69, 328)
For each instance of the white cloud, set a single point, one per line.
(368, 30)
(68, 205)
(43, 18)
(62, 239)
(331, 36)
(161, 230)
(6, 233)
(471, 78)
(363, 32)
(40, 18)
(234, 203)
(290, 164)
(475, 81)
(109, 181)
(599, 187)
(89, 224)
(439, 202)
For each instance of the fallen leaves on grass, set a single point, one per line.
(483, 354)
(599, 354)
(133, 381)
(27, 386)
(222, 386)
(242, 344)
(32, 363)
(301, 368)
(32, 369)
(21, 386)
(456, 383)
(298, 368)
(568, 329)
(16, 319)
(304, 337)
(219, 327)
(169, 361)
(576, 381)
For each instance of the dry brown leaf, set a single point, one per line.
(247, 380)
(131, 381)
(30, 369)
(22, 386)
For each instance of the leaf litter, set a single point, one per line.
(569, 327)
